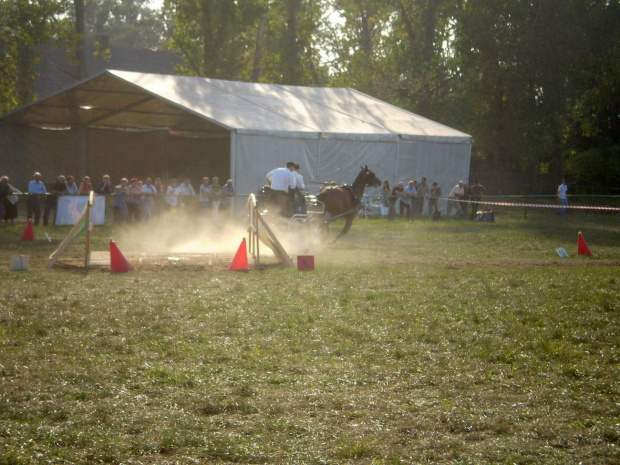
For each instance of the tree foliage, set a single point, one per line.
(23, 25)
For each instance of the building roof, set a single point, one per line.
(186, 104)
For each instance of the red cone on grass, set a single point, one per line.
(582, 246)
(28, 234)
(240, 261)
(118, 262)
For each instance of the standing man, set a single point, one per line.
(563, 198)
(281, 180)
(411, 193)
(228, 192)
(457, 193)
(433, 200)
(423, 189)
(477, 191)
(104, 187)
(148, 199)
(404, 204)
(51, 201)
(36, 190)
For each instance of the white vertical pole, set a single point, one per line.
(232, 170)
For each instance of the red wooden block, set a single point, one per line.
(305, 262)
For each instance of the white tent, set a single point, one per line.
(329, 132)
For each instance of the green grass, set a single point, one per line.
(452, 342)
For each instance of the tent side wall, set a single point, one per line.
(256, 155)
(339, 159)
(446, 163)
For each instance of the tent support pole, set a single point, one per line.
(232, 169)
(83, 142)
(166, 135)
(318, 159)
(396, 162)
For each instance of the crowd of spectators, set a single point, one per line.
(410, 200)
(132, 200)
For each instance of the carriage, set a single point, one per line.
(332, 203)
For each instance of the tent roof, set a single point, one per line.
(185, 104)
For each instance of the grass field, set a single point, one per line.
(453, 342)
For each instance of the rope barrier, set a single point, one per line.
(533, 205)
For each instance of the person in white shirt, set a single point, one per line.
(205, 193)
(148, 199)
(172, 195)
(298, 198)
(281, 180)
(186, 190)
(410, 195)
(563, 198)
(457, 193)
(299, 179)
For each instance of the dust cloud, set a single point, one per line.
(193, 232)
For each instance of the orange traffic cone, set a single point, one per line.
(240, 262)
(118, 262)
(582, 246)
(28, 234)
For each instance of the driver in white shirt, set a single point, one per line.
(281, 180)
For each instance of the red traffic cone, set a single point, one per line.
(118, 262)
(28, 234)
(240, 262)
(582, 246)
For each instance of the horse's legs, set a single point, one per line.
(347, 226)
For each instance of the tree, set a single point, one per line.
(127, 23)
(25, 24)
(215, 38)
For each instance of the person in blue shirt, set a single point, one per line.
(36, 191)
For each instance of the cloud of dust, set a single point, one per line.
(194, 232)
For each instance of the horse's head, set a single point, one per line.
(370, 178)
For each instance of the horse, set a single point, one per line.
(344, 201)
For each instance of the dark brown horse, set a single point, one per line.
(345, 201)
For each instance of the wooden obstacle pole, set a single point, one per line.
(266, 235)
(86, 217)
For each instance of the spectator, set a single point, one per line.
(160, 199)
(433, 199)
(134, 195)
(384, 205)
(85, 186)
(403, 201)
(8, 201)
(423, 189)
(72, 188)
(148, 198)
(217, 196)
(186, 191)
(120, 201)
(104, 187)
(563, 198)
(51, 201)
(411, 193)
(281, 180)
(186, 188)
(172, 195)
(205, 193)
(36, 190)
(476, 191)
(228, 192)
(456, 194)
